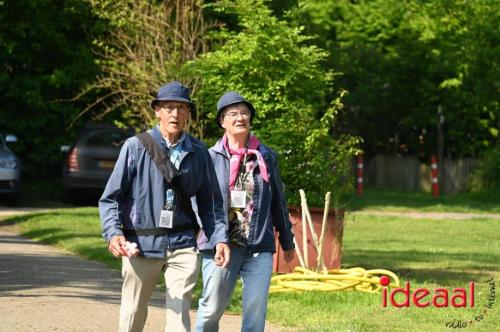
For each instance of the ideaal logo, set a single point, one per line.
(440, 298)
(423, 297)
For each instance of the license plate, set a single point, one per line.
(106, 164)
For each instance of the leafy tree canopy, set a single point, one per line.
(401, 60)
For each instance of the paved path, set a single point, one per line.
(45, 289)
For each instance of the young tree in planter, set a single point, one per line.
(268, 61)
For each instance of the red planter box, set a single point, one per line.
(332, 245)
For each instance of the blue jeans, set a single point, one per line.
(218, 284)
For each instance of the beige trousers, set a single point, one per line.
(180, 268)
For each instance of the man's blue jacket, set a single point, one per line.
(135, 195)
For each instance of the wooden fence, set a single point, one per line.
(409, 174)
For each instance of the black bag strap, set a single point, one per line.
(171, 175)
(161, 159)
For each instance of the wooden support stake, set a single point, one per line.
(297, 250)
(303, 204)
(309, 222)
(321, 263)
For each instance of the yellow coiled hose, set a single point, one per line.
(355, 278)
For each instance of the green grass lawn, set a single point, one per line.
(428, 253)
(485, 202)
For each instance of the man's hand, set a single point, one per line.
(117, 247)
(222, 254)
(289, 255)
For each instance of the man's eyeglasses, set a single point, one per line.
(234, 114)
(181, 109)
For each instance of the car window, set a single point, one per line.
(105, 138)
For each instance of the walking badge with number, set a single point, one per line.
(167, 213)
(238, 195)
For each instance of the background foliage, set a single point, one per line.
(398, 60)
(401, 59)
(45, 54)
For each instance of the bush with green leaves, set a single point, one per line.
(270, 63)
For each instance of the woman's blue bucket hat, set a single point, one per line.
(232, 98)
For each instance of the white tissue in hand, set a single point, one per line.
(131, 248)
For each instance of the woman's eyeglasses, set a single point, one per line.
(234, 114)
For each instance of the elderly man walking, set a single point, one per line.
(147, 217)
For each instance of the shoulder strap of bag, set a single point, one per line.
(161, 159)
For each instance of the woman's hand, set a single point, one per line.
(289, 255)
(222, 254)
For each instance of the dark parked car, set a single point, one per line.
(10, 171)
(90, 160)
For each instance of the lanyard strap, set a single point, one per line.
(169, 194)
(241, 171)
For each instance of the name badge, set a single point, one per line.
(167, 218)
(238, 199)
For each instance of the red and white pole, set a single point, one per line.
(434, 174)
(359, 179)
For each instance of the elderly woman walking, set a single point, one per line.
(253, 194)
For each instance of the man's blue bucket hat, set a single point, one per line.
(173, 91)
(232, 98)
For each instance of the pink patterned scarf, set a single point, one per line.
(238, 154)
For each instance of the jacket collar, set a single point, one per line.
(219, 148)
